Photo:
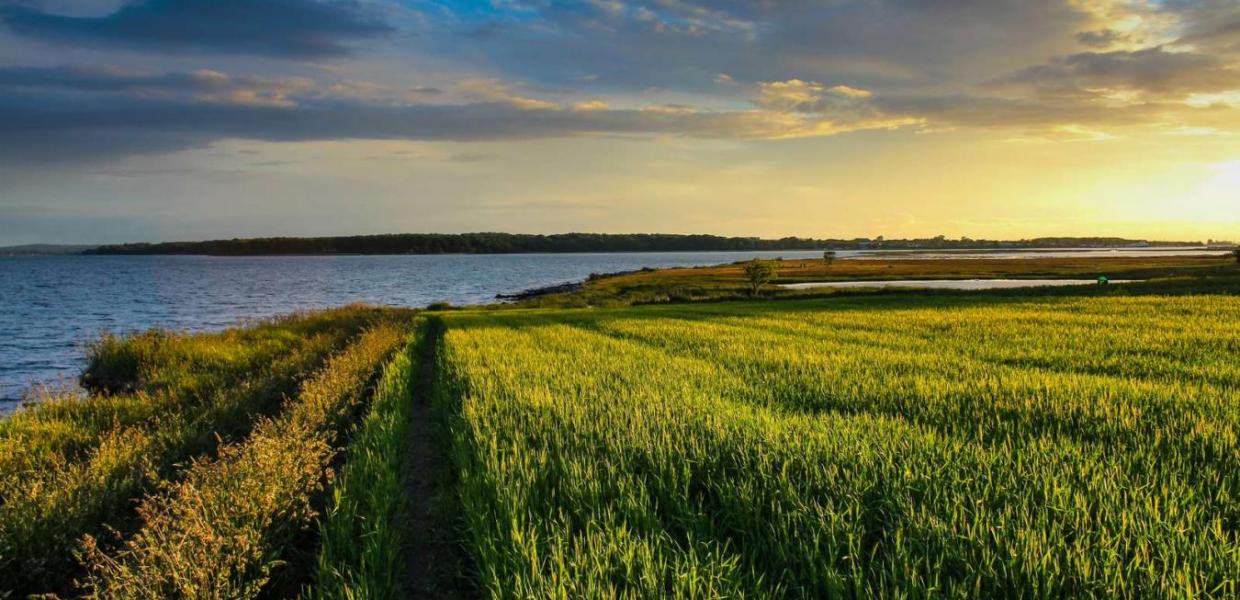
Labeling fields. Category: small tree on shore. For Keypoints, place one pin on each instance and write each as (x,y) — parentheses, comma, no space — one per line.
(759,273)
(828,257)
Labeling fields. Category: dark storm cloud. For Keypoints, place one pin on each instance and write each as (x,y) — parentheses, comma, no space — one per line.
(283,28)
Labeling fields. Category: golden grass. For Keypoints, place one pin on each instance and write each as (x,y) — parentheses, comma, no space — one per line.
(73,466)
(224,529)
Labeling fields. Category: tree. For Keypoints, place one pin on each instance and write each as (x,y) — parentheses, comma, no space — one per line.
(759,273)
(1236,253)
(828,257)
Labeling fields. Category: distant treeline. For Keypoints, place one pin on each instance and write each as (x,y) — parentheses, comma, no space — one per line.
(512,243)
(43,250)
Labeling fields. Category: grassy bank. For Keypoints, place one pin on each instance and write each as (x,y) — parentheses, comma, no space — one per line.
(137,379)
(226,530)
(71,467)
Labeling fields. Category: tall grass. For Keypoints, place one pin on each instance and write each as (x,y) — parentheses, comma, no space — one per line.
(224,531)
(895,447)
(139,377)
(75,467)
(362,534)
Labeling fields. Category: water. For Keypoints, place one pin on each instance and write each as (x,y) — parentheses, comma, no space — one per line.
(51,306)
(949,284)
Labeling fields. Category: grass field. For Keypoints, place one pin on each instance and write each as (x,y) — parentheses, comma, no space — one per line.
(878,447)
(1076,443)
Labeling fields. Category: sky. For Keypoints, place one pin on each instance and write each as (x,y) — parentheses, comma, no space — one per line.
(158,120)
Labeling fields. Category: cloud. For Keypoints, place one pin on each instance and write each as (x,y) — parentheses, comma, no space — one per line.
(461,122)
(723,69)
(203,85)
(1151,72)
(687,44)
(591,105)
(1211,26)
(472,157)
(1102,38)
(829,110)
(498,92)
(795,95)
(46,109)
(302,29)
(1223,37)
(68,113)
(1048,118)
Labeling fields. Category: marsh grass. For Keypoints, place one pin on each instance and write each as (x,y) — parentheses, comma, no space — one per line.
(225,530)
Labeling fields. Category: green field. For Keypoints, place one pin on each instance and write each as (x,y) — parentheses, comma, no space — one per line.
(879,447)
(1042,444)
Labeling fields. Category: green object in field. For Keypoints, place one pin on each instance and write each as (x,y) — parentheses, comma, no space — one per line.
(1103,280)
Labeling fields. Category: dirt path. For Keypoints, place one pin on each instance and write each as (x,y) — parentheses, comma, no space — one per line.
(433,559)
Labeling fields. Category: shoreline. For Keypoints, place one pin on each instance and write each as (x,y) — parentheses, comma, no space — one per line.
(1186,249)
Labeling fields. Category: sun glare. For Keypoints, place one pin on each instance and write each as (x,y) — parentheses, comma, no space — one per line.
(1218,198)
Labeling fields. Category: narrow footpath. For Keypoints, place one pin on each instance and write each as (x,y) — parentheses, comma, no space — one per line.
(433,564)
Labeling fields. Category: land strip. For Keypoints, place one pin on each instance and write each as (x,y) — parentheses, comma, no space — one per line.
(433,558)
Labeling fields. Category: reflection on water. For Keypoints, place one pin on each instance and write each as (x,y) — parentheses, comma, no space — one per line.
(949,284)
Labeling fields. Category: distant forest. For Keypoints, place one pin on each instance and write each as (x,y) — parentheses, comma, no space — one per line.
(512,243)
